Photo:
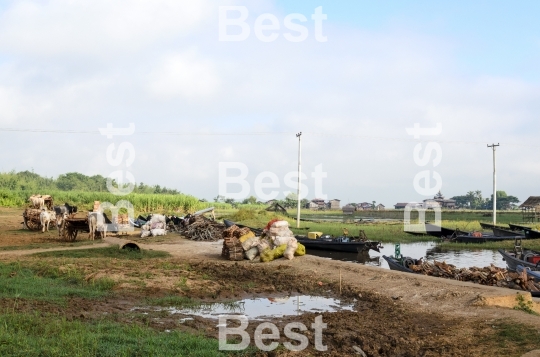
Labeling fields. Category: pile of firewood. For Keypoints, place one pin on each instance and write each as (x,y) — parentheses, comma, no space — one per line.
(203,229)
(491,275)
(232,247)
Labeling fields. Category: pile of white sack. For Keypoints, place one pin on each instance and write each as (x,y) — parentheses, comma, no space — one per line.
(155,227)
(276,241)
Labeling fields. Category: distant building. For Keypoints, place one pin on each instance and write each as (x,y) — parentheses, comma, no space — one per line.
(317,204)
(334,204)
(348,209)
(531,209)
(365,206)
(380,207)
(439,201)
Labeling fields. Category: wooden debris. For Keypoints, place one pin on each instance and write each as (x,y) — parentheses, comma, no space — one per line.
(491,275)
(203,229)
(232,247)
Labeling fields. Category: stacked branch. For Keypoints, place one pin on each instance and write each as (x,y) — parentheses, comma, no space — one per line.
(232,247)
(203,229)
(491,275)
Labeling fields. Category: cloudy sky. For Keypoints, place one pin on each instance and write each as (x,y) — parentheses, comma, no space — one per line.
(67,68)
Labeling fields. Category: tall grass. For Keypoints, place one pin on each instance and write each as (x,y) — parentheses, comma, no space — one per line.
(142,202)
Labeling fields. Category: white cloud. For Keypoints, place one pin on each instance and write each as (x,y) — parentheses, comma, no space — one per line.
(97,27)
(185,74)
(76,65)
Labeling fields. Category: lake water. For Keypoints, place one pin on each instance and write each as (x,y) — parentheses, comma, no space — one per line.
(462,258)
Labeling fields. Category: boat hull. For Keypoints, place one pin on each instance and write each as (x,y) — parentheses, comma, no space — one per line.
(351,247)
(484,239)
(394,265)
(500,232)
(512,261)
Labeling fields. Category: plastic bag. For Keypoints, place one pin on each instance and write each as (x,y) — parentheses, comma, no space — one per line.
(250,243)
(246,237)
(145,233)
(269,255)
(291,248)
(280,224)
(301,250)
(282,240)
(263,245)
(252,253)
(158,232)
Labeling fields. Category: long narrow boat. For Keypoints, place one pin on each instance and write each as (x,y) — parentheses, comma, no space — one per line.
(501,232)
(531,234)
(513,260)
(518,227)
(337,244)
(483,239)
(442,232)
(488,226)
(395,264)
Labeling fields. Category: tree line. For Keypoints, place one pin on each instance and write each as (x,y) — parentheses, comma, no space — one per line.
(71,181)
(474,200)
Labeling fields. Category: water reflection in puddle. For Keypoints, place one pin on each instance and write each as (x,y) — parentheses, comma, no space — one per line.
(262,307)
(462,258)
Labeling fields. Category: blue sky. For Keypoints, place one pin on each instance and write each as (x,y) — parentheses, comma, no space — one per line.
(488,37)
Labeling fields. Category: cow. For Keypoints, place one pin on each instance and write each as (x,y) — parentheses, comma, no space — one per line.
(60,220)
(96,223)
(37,201)
(45,217)
(66,208)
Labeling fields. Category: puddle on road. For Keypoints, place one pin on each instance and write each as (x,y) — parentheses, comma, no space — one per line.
(259,308)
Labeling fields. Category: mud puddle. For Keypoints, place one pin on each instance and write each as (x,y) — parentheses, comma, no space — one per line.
(259,308)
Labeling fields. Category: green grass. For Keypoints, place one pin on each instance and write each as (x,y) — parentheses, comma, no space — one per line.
(107,252)
(48,283)
(48,245)
(31,335)
(512,335)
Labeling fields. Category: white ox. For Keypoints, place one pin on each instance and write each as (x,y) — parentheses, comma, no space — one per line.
(96,223)
(37,201)
(45,217)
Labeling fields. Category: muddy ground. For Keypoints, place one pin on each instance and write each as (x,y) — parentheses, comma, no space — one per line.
(395,314)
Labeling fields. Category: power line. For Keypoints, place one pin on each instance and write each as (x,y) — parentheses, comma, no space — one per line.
(261,133)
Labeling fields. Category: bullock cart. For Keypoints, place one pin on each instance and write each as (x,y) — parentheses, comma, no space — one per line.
(72,225)
(32,221)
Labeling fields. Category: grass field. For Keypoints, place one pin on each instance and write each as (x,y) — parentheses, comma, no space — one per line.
(27,334)
(386,232)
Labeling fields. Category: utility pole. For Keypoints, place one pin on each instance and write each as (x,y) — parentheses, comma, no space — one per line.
(299,136)
(494,146)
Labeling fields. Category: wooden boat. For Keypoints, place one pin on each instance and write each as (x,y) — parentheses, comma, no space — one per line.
(487,226)
(517,227)
(531,234)
(483,239)
(501,232)
(513,260)
(441,232)
(400,264)
(339,244)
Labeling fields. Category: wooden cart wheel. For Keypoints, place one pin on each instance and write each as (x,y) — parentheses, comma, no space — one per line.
(31,225)
(71,233)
